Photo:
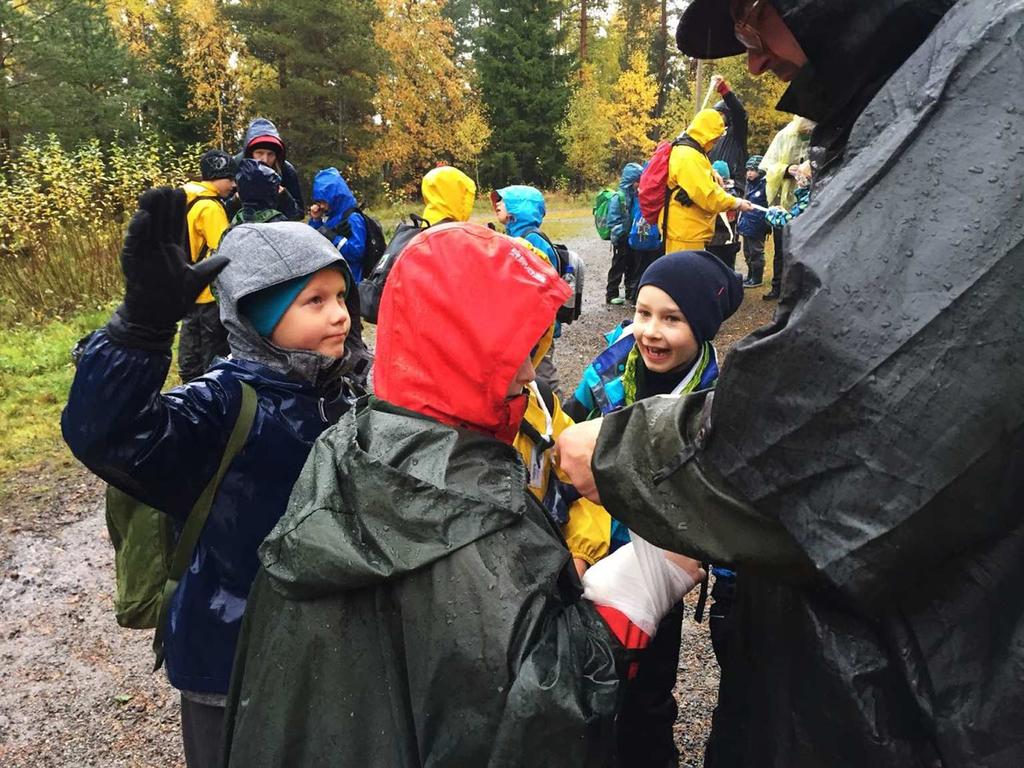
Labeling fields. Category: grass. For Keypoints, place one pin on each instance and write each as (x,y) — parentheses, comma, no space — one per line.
(35,374)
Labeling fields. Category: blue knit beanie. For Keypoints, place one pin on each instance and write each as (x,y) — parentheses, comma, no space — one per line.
(702,286)
(265,308)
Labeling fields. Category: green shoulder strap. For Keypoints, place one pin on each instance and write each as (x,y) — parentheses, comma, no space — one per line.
(200,511)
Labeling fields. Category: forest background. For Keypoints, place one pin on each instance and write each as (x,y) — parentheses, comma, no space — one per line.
(100,99)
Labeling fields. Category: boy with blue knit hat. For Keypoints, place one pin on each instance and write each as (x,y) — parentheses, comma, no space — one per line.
(281,291)
(667,349)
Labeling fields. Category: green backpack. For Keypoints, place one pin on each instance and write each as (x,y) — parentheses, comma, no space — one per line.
(601,202)
(148,562)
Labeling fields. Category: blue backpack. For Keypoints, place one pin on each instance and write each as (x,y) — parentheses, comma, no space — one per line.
(643,236)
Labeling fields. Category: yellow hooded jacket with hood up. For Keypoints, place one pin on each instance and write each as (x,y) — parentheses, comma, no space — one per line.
(448,195)
(589,528)
(690,227)
(207,221)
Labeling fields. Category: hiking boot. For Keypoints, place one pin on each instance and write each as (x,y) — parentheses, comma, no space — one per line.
(616,300)
(749,283)
(771,295)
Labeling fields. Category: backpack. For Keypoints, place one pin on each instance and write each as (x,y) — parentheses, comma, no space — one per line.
(149,560)
(371,289)
(601,202)
(572,269)
(653,191)
(643,236)
(375,244)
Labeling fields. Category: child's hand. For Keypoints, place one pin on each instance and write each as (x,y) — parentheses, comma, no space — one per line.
(160,285)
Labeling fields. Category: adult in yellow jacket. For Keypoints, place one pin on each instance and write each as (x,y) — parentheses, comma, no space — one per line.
(586,526)
(696,197)
(448,195)
(202,336)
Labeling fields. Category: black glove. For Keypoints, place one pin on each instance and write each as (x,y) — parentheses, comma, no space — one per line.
(160,284)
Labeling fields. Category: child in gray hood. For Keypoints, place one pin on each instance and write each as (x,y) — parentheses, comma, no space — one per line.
(281,294)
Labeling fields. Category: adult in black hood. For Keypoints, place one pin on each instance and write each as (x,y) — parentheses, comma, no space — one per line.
(732,148)
(862,460)
(263,142)
(851,50)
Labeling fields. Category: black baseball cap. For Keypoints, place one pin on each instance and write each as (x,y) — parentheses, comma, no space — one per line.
(705,30)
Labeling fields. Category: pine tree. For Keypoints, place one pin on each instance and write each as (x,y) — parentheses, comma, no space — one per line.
(326,62)
(523,82)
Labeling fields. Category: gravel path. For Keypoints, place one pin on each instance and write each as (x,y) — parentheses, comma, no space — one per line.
(76,690)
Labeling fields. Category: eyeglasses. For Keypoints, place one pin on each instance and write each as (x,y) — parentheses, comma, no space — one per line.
(744,14)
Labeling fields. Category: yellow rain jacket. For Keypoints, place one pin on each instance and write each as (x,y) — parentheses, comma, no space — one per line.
(589,528)
(690,227)
(789,147)
(449,194)
(207,222)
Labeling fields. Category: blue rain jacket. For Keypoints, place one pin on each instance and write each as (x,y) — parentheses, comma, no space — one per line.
(177,444)
(331,187)
(620,206)
(526,206)
(752,223)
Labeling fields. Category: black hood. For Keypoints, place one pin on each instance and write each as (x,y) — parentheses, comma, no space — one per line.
(852,48)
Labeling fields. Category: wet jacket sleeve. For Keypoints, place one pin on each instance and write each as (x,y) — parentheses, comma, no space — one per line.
(295,207)
(688,169)
(649,470)
(159,448)
(738,116)
(588,531)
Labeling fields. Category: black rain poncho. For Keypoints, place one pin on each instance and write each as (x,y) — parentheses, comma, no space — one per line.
(863,467)
(416,608)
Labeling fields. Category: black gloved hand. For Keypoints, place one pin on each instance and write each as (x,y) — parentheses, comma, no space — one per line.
(160,284)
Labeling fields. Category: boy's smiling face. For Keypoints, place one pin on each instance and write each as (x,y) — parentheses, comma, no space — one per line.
(662,334)
(317,320)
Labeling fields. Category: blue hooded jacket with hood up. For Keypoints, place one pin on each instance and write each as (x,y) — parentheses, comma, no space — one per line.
(526,208)
(620,205)
(163,448)
(262,127)
(330,187)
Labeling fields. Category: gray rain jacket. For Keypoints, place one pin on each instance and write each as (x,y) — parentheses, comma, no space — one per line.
(863,465)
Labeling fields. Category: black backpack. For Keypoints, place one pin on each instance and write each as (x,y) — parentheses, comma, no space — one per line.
(572,269)
(375,243)
(371,289)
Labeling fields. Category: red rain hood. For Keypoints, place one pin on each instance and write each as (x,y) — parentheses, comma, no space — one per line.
(462,309)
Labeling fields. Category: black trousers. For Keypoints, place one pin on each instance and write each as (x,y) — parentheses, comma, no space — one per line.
(648,713)
(623,267)
(202,730)
(753,252)
(201,339)
(644,259)
(779,261)
(726,253)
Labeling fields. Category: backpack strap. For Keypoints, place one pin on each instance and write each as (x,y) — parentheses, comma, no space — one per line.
(536,231)
(205,250)
(681,195)
(200,511)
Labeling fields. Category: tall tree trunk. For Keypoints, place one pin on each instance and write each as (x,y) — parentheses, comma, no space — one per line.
(583,31)
(663,83)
